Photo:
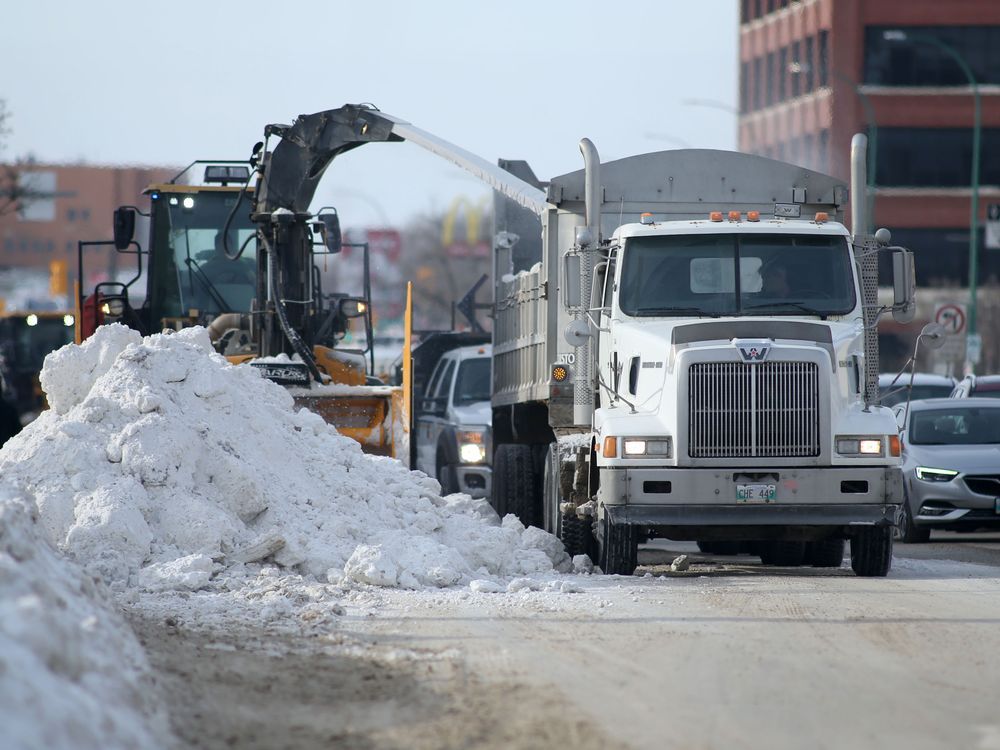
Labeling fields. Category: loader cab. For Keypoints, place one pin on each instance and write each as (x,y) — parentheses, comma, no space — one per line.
(191,279)
(190,267)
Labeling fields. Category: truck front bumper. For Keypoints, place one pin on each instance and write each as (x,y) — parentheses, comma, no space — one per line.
(805,497)
(475,480)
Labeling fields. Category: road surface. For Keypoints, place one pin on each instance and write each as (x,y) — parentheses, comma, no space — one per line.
(726,655)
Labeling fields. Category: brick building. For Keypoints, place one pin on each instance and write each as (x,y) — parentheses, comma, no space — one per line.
(814,72)
(70,203)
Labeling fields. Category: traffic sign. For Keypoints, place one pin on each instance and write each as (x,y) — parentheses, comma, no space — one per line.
(952,316)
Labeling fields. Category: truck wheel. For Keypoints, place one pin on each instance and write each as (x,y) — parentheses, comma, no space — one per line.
(619,548)
(827,553)
(785,554)
(871,551)
(514,484)
(908,532)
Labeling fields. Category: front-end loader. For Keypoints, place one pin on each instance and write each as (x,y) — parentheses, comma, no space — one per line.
(256,286)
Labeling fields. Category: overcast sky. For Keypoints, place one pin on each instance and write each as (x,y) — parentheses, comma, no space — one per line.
(169,82)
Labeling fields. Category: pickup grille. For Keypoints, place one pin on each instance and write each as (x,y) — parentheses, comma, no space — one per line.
(767,409)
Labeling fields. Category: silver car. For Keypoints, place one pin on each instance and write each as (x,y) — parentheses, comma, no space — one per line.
(951,465)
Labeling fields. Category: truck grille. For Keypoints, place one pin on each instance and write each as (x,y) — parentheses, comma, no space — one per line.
(770,409)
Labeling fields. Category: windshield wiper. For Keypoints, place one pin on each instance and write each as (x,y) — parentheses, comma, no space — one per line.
(680,310)
(788,303)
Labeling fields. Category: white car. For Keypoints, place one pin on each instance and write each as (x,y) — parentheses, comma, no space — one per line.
(925,385)
(453,432)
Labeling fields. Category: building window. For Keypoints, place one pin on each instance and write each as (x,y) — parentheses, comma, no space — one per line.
(796,69)
(824,58)
(744,83)
(941,256)
(85,214)
(809,66)
(745,11)
(823,158)
(782,74)
(935,157)
(70,214)
(756,83)
(916,62)
(770,79)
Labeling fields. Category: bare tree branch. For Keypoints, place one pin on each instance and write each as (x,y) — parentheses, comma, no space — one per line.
(11,190)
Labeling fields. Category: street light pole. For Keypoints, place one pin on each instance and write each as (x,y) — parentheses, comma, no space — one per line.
(902,36)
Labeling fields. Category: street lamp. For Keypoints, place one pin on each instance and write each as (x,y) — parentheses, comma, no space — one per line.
(898,35)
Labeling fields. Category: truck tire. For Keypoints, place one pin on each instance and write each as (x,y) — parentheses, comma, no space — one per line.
(514,483)
(826,553)
(783,553)
(908,532)
(618,548)
(871,551)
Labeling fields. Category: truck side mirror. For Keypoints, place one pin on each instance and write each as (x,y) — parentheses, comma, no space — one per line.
(572,270)
(124,227)
(329,228)
(904,286)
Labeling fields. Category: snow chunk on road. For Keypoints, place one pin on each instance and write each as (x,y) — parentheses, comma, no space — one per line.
(72,674)
(161,464)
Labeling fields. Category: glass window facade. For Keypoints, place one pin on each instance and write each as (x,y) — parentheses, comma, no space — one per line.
(914,61)
(935,157)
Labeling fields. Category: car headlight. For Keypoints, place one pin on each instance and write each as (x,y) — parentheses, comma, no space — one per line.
(658,447)
(860,445)
(471,446)
(927,474)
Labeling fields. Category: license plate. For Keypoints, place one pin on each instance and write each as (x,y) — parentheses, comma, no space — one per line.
(756,493)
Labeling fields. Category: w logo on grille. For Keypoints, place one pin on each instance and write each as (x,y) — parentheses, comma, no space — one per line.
(755,351)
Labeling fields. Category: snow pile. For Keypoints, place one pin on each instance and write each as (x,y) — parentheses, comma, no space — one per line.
(72,674)
(161,465)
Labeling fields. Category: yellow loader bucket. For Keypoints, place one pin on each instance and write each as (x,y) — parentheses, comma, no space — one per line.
(372,415)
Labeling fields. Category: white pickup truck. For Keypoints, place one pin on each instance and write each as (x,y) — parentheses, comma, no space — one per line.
(452,432)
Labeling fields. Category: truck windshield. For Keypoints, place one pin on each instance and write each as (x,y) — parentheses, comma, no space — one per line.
(473,381)
(779,274)
(189,268)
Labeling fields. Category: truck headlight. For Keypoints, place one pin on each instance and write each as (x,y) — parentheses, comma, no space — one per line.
(860,445)
(471,446)
(928,474)
(658,447)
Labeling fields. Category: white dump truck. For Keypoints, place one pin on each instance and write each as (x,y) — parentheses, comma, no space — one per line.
(684,346)
(689,351)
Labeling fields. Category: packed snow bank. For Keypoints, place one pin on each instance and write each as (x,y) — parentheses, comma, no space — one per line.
(161,465)
(72,674)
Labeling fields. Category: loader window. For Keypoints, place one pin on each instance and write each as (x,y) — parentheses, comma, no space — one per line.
(696,275)
(188,267)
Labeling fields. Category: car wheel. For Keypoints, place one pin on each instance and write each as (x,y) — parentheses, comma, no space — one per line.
(446,476)
(907,531)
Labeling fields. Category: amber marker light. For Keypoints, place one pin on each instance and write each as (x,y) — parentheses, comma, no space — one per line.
(822,217)
(559,373)
(894,445)
(610,447)
(715,216)
(734,215)
(753,215)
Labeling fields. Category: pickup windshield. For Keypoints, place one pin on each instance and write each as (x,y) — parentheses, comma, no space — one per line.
(779,274)
(473,381)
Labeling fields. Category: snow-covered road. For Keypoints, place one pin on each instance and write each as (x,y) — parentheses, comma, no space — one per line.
(724,656)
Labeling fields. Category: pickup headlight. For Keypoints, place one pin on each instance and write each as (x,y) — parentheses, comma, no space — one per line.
(928,474)
(658,447)
(860,445)
(471,446)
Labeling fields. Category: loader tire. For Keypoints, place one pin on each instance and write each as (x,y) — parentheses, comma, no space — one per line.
(827,553)
(871,551)
(619,548)
(514,483)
